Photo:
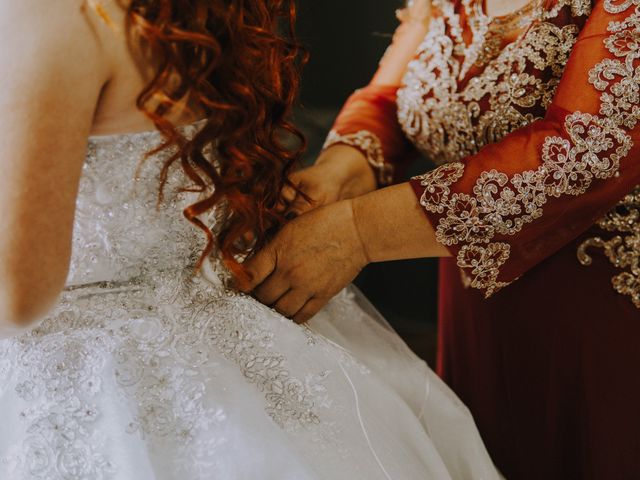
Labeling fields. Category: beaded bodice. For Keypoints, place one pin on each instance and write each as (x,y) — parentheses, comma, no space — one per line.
(120,231)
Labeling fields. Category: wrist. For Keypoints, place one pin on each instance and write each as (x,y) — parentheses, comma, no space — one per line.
(350,169)
(393,226)
(359,250)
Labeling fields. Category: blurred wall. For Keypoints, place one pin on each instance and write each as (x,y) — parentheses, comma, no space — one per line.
(346,40)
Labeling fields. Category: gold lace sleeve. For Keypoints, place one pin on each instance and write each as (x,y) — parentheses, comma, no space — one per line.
(371,146)
(520,200)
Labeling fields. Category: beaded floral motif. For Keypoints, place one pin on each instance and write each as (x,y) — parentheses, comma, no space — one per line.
(622,249)
(436,186)
(578,7)
(502,206)
(620,103)
(448,122)
(136,329)
(120,233)
(488,33)
(166,338)
(369,144)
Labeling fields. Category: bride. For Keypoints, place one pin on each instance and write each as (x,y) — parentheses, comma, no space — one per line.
(125,354)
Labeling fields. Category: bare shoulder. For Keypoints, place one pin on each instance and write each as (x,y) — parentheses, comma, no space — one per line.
(44,32)
(48,15)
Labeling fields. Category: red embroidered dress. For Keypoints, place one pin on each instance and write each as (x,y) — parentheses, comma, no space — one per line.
(533,119)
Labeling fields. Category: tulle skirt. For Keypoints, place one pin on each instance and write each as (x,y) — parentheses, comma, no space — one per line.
(180,378)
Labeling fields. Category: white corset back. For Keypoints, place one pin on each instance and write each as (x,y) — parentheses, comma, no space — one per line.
(120,232)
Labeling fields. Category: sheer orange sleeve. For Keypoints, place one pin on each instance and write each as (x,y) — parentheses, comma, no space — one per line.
(518,201)
(368,121)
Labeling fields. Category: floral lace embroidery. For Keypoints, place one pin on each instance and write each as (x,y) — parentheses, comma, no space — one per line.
(502,206)
(448,123)
(165,338)
(119,233)
(134,325)
(593,151)
(579,8)
(369,144)
(623,249)
(621,103)
(488,33)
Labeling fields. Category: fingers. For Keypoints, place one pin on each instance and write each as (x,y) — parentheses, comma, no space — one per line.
(287,197)
(291,303)
(309,310)
(299,196)
(271,290)
(259,267)
(302,205)
(294,203)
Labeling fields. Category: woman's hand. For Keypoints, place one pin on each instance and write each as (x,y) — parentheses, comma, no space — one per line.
(341,172)
(310,260)
(318,254)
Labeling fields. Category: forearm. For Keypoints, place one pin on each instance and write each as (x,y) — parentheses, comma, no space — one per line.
(34,263)
(393,226)
(23,305)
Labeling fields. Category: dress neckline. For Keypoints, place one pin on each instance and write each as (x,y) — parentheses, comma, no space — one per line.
(106,137)
(524,11)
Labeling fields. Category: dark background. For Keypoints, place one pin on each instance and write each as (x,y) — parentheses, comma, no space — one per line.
(346,39)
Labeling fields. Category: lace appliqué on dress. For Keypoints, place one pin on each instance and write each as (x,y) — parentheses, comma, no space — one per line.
(371,146)
(623,249)
(619,80)
(166,349)
(135,325)
(502,206)
(447,122)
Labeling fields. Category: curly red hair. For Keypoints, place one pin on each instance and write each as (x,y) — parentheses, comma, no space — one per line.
(237,60)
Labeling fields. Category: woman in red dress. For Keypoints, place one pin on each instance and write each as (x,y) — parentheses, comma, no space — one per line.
(534,120)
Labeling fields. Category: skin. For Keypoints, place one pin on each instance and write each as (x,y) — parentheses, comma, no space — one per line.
(349,224)
(66,74)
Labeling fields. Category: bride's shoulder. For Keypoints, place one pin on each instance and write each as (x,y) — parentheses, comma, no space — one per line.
(45,13)
(59,29)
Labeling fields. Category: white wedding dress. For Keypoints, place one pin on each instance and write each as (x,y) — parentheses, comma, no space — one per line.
(145,371)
